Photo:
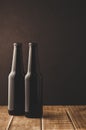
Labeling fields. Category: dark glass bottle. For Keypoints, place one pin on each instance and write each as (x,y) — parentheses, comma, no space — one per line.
(16,90)
(33,84)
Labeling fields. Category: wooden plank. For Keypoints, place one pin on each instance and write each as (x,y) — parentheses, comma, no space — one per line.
(23,123)
(55,118)
(18,123)
(4,117)
(78,116)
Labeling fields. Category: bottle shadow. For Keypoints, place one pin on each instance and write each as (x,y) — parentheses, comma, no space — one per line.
(54,116)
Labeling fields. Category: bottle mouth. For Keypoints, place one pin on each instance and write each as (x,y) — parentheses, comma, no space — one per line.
(17,44)
(32,44)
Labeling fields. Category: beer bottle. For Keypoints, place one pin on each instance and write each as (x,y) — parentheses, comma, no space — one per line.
(33,84)
(16,88)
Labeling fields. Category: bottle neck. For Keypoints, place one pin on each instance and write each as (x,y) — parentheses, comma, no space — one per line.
(33,64)
(17,61)
(29,59)
(14,59)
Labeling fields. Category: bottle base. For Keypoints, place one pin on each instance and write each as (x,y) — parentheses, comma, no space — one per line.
(30,115)
(15,113)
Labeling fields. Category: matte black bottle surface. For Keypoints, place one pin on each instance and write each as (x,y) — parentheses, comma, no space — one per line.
(33,85)
(16,83)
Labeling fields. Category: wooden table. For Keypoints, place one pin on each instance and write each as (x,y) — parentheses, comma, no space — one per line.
(54,118)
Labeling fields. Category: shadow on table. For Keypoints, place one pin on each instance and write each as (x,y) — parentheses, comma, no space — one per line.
(52,116)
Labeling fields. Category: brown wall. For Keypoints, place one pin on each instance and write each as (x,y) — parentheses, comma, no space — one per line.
(59,29)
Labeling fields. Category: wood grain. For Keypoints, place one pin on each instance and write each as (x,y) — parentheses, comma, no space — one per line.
(55,118)
(23,123)
(78,116)
(4,117)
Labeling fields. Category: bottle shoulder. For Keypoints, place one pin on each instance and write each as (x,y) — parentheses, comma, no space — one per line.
(32,75)
(28,75)
(12,73)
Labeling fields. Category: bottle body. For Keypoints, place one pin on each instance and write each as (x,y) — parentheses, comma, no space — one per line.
(16,83)
(33,87)
(33,96)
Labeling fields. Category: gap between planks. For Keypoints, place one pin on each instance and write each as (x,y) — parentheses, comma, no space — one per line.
(9,123)
(71,120)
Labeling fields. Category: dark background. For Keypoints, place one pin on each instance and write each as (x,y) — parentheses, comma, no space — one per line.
(59,29)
